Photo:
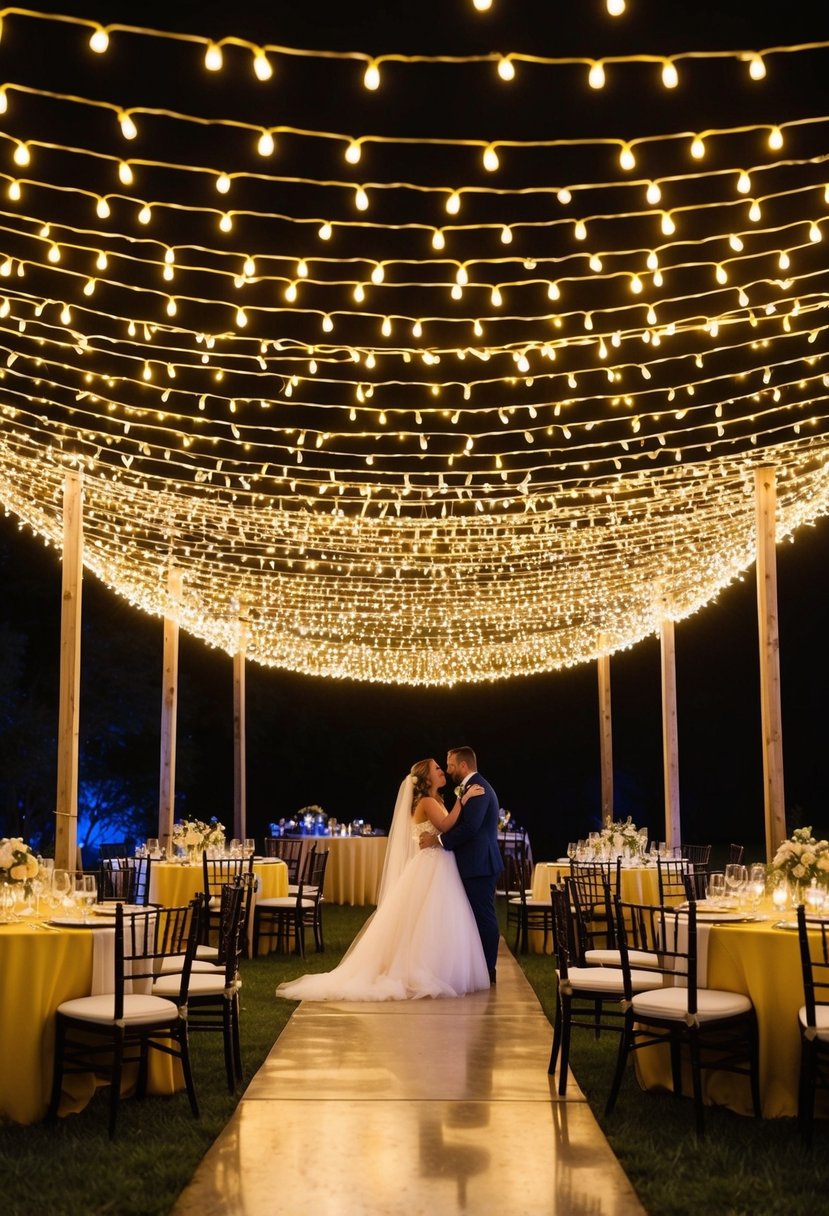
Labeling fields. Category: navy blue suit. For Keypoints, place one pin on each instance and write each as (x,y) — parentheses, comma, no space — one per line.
(474,841)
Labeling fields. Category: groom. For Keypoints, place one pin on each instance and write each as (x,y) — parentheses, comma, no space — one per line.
(474,841)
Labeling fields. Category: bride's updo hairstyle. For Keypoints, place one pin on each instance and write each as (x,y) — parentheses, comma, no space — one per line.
(421,778)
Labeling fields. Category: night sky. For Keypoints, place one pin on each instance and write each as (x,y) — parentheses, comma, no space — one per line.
(345,746)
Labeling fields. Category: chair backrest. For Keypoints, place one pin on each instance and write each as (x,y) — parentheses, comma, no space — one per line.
(232,922)
(667,933)
(516,876)
(218,871)
(288,850)
(310,886)
(144,939)
(591,912)
(736,852)
(563,940)
(672,873)
(699,854)
(814,962)
(125,878)
(117,848)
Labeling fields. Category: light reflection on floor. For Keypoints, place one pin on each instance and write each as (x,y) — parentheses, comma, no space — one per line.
(422,1108)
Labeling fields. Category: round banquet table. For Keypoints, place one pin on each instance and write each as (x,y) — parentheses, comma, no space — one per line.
(174,885)
(355,865)
(763,963)
(640,885)
(41,968)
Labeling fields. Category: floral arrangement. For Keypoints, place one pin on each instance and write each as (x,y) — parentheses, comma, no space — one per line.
(617,836)
(310,810)
(17,861)
(802,858)
(195,834)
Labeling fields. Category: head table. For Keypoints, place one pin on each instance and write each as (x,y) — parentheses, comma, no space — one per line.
(41,968)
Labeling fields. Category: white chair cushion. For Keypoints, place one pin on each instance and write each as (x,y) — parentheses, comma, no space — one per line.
(207,951)
(821,1020)
(613,958)
(173,963)
(138,1010)
(201,984)
(606,980)
(282,901)
(712,1003)
(293,889)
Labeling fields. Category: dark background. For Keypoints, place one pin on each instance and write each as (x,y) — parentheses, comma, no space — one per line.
(343,745)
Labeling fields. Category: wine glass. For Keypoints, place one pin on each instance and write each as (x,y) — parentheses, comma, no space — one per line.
(716,887)
(571,850)
(61,887)
(780,894)
(814,899)
(152,847)
(86,893)
(248,847)
(757,883)
(736,877)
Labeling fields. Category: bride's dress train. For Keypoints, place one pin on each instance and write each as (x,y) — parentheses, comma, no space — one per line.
(422,941)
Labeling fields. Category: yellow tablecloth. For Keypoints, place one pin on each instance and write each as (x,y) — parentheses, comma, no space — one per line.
(41,968)
(173,885)
(640,885)
(352,875)
(763,963)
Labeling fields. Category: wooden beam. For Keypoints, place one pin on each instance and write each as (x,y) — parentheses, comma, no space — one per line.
(765,486)
(605,736)
(66,808)
(239,765)
(169,709)
(670,733)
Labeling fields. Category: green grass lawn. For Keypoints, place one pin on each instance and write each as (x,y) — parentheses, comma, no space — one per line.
(743,1167)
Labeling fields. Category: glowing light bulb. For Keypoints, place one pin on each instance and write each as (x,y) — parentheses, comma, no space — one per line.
(697,148)
(54,254)
(743,182)
(482,6)
(495,298)
(626,158)
(371,78)
(101,261)
(359,293)
(596,76)
(223,183)
(102,209)
(324,232)
(225,222)
(265,145)
(327,324)
(125,174)
(145,214)
(564,196)
(775,139)
(506,68)
(213,58)
(756,67)
(172,307)
(14,191)
(615,7)
(735,243)
(670,76)
(784,261)
(453,203)
(99,42)
(360,199)
(378,274)
(385,328)
(721,274)
(653,194)
(815,233)
(438,239)
(490,158)
(553,291)
(667,224)
(128,128)
(506,235)
(89,287)
(241,319)
(302,269)
(461,276)
(4,101)
(754,212)
(353,152)
(580,230)
(636,284)
(22,155)
(262,66)
(66,315)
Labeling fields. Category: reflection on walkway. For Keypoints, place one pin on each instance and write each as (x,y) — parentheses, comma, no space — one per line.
(434,1107)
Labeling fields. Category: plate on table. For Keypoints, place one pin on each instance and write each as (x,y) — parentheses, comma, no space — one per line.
(722,916)
(107,908)
(73,922)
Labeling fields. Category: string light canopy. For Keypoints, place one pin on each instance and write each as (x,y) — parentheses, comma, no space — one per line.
(425,394)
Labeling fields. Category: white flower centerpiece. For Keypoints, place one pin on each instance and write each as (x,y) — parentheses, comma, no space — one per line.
(195,835)
(803,859)
(18,867)
(620,836)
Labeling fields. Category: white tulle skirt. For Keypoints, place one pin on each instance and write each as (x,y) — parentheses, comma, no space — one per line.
(422,941)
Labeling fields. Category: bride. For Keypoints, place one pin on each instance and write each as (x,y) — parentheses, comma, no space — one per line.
(422,940)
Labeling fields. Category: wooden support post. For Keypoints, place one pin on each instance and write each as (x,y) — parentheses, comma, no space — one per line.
(239,769)
(169,709)
(670,733)
(66,808)
(605,736)
(765,485)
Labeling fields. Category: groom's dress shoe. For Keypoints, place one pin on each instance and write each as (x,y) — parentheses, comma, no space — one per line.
(492,976)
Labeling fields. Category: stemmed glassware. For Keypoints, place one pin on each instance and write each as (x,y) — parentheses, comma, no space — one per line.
(736,877)
(61,887)
(716,887)
(86,893)
(757,883)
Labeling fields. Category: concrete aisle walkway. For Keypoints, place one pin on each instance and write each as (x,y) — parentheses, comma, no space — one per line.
(413,1108)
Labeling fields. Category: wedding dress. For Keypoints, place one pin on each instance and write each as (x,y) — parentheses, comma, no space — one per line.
(421,941)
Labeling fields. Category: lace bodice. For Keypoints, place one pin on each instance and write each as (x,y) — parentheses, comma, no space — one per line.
(420,829)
